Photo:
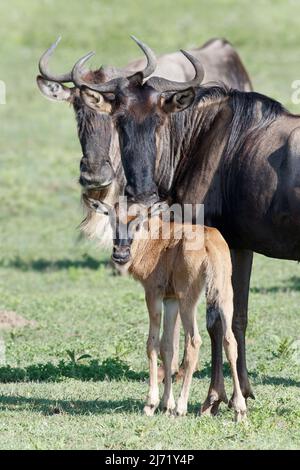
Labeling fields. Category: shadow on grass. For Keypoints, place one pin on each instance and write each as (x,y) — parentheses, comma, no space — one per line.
(109,369)
(255,378)
(258,379)
(72,407)
(42,264)
(291,284)
(112,368)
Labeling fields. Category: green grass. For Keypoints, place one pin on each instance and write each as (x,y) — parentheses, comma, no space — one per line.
(51,398)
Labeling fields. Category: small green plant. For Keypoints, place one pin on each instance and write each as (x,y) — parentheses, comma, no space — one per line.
(125,345)
(74,359)
(285,349)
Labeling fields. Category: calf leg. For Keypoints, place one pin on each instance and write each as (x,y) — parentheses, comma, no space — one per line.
(167,352)
(154,305)
(176,338)
(230,345)
(191,352)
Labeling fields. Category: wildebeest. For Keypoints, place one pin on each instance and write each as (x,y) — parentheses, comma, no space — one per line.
(236,152)
(173,271)
(101,169)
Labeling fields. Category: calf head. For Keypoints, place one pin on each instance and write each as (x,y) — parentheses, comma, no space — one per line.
(128,222)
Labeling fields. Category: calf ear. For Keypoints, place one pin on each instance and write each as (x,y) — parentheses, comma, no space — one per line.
(53,90)
(95,100)
(179,101)
(98,206)
(159,208)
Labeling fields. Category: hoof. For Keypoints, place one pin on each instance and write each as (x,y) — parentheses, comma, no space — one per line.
(240,416)
(149,410)
(246,389)
(180,413)
(181,409)
(211,410)
(211,405)
(246,394)
(170,412)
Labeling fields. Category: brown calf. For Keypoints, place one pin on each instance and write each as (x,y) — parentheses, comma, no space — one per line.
(173,262)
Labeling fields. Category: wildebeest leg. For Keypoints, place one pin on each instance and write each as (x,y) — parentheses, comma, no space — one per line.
(241,272)
(154,305)
(167,353)
(216,392)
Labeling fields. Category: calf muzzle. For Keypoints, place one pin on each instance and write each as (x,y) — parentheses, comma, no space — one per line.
(121,254)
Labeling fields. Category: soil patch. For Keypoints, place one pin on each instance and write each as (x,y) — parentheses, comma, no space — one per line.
(10,319)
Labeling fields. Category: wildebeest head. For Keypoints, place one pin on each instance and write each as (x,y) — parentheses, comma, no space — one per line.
(95,129)
(139,112)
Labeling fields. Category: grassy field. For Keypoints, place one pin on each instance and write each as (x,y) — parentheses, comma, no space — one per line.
(49,396)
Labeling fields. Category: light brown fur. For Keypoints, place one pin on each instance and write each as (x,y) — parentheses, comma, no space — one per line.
(173,273)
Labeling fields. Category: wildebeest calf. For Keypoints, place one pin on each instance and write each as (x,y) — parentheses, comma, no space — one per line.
(174,261)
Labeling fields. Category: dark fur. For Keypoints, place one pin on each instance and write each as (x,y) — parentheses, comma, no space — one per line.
(239,154)
(136,134)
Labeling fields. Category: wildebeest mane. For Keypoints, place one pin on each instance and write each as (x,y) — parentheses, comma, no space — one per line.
(251,113)
(246,117)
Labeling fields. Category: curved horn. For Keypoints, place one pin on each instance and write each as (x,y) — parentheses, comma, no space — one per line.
(77,72)
(110,86)
(151,59)
(44,62)
(163,85)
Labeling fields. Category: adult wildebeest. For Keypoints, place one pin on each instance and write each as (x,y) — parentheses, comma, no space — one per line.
(236,152)
(101,170)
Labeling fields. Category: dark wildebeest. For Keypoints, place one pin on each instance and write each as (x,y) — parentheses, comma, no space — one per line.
(236,152)
(101,170)
(101,173)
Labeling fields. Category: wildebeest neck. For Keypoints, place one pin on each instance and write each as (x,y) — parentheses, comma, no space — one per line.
(198,152)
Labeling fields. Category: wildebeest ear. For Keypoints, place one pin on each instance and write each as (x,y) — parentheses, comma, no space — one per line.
(178,101)
(53,90)
(95,100)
